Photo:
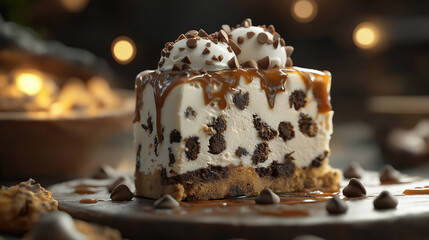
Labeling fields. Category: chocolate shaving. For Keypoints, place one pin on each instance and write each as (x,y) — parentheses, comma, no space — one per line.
(233,63)
(186,59)
(191,43)
(262,38)
(163,52)
(226,28)
(206,51)
(250,34)
(202,33)
(246,23)
(175,68)
(250,64)
(161,63)
(229,49)
(271,29)
(235,47)
(282,42)
(223,36)
(181,37)
(264,63)
(267,196)
(191,33)
(240,40)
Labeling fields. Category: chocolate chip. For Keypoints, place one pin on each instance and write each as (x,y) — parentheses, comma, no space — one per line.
(193,148)
(215,58)
(318,161)
(354,189)
(276,43)
(269,42)
(138,157)
(289,62)
(250,34)
(241,100)
(166,202)
(161,63)
(262,38)
(171,158)
(203,70)
(261,153)
(149,125)
(163,52)
(267,196)
(240,40)
(169,46)
(186,59)
(55,225)
(191,33)
(208,62)
(307,126)
(167,54)
(289,51)
(175,68)
(217,144)
(220,57)
(206,51)
(241,151)
(246,23)
(233,63)
(180,37)
(271,29)
(208,44)
(104,172)
(202,33)
(192,43)
(190,113)
(229,49)
(226,28)
(119,180)
(218,124)
(223,36)
(186,67)
(264,63)
(286,131)
(297,99)
(156,143)
(175,136)
(121,193)
(282,42)
(235,47)
(265,132)
(336,206)
(389,174)
(385,201)
(353,171)
(250,64)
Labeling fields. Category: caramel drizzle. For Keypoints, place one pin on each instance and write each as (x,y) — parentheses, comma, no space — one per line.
(217,84)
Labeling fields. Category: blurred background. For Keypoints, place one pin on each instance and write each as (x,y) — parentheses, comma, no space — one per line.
(377,52)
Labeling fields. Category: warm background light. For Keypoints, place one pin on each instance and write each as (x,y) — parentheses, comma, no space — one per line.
(123,50)
(304,10)
(29,83)
(74,5)
(366,35)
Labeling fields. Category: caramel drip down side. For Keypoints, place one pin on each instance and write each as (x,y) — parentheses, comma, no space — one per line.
(216,86)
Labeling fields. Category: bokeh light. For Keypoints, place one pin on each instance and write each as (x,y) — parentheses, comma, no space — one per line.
(123,50)
(74,5)
(366,35)
(29,83)
(304,11)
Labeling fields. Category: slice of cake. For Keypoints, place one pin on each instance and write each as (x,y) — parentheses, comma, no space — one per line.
(226,114)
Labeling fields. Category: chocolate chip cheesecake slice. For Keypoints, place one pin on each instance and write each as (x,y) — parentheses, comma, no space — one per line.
(226,114)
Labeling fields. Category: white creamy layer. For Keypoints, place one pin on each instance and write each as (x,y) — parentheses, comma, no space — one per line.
(240,130)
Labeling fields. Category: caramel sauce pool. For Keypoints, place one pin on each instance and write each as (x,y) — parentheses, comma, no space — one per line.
(272,82)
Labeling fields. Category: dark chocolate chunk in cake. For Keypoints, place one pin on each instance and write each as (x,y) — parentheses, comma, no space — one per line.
(193,148)
(265,132)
